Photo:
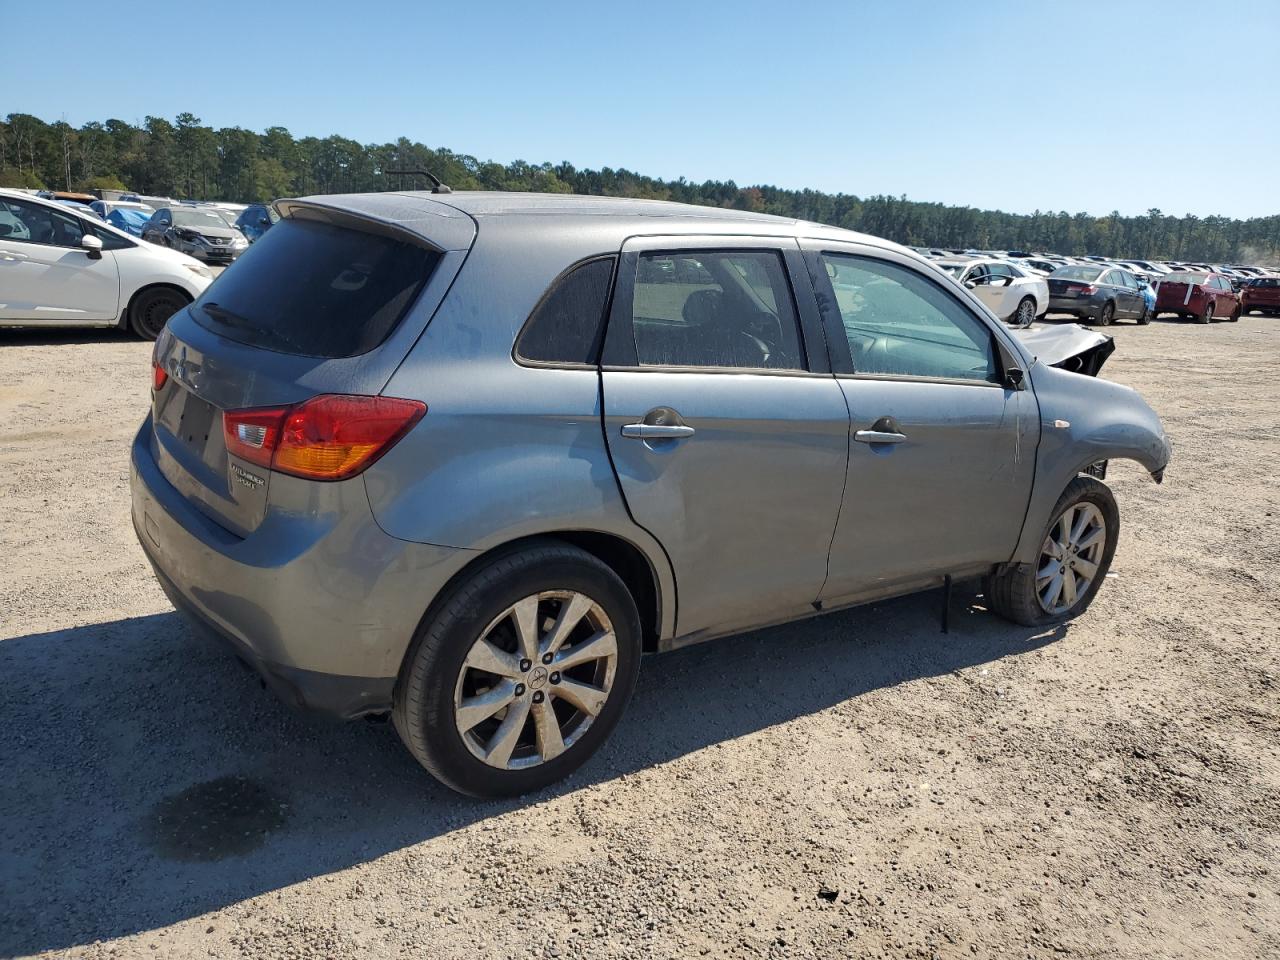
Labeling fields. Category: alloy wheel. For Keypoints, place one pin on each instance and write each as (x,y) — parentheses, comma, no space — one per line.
(1070,556)
(535,679)
(1026,313)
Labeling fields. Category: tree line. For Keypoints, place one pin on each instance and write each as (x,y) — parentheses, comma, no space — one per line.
(183,158)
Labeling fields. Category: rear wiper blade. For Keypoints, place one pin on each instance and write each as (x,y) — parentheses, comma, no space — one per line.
(233,319)
(222,313)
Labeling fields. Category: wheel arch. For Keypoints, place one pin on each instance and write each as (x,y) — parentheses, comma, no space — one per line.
(653,593)
(123,322)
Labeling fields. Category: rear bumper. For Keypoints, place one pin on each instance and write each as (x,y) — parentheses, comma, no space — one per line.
(1076,306)
(322,605)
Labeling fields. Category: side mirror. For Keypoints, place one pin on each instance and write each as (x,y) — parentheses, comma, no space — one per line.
(92,246)
(264,222)
(970,284)
(1013,377)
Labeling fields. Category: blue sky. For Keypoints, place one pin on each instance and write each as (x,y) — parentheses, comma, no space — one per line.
(1008,105)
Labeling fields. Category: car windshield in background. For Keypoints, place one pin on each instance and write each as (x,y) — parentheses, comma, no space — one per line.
(955,269)
(1077,273)
(313,289)
(197,218)
(1185,277)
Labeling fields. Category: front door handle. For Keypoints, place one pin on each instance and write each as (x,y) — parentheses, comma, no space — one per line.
(8,255)
(884,430)
(878,436)
(655,431)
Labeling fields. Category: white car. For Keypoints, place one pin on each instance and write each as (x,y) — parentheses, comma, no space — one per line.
(61,269)
(1013,294)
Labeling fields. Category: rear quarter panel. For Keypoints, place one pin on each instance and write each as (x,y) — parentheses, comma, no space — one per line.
(505,450)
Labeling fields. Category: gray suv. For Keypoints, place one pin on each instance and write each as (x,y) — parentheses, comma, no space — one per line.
(463,458)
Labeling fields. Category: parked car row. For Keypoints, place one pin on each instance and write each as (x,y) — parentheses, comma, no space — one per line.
(1098,290)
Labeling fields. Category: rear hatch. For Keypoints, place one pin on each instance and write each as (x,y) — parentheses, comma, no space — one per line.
(1068,289)
(329,301)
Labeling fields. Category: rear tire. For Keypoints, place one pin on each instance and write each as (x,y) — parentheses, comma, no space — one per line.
(1025,315)
(151,310)
(440,675)
(1014,593)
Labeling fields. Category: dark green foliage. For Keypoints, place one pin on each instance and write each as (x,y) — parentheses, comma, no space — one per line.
(186,159)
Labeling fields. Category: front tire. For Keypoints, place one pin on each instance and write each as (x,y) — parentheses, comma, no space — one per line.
(151,309)
(1235,314)
(1144,318)
(1075,555)
(520,672)
(1207,316)
(1108,312)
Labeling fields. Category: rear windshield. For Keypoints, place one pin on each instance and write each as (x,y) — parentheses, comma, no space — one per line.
(1076,273)
(1265,282)
(316,290)
(1185,277)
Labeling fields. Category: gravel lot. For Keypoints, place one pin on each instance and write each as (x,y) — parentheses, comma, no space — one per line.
(856,785)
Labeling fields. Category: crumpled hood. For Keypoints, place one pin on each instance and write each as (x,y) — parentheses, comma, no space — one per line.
(1069,346)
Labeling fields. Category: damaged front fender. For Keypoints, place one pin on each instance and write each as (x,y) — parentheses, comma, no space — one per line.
(1084,420)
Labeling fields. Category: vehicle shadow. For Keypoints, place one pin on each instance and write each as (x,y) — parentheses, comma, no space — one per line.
(149,779)
(63,336)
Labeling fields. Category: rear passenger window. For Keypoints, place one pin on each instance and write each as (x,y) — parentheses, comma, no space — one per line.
(715,309)
(566,326)
(900,324)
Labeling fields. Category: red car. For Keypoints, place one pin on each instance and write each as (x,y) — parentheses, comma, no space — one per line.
(1199,296)
(1262,294)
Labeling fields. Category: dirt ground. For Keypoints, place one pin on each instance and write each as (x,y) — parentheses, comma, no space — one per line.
(857,785)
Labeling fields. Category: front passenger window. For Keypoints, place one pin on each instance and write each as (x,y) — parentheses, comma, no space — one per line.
(899,323)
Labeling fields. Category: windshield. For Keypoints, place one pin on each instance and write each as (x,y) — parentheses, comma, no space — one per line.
(955,269)
(197,218)
(1077,273)
(1185,277)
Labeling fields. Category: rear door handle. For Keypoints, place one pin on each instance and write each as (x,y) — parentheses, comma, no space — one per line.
(878,436)
(654,431)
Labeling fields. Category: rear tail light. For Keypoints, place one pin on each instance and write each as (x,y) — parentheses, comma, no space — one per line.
(1086,289)
(330,437)
(158,375)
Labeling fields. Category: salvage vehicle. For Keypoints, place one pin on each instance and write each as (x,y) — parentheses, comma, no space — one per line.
(462,458)
(58,268)
(201,232)
(1011,292)
(1261,294)
(1098,294)
(1199,296)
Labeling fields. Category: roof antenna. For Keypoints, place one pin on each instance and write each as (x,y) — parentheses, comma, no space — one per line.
(438,185)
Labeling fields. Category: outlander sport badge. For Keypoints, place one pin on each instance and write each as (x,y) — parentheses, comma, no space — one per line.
(250,480)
